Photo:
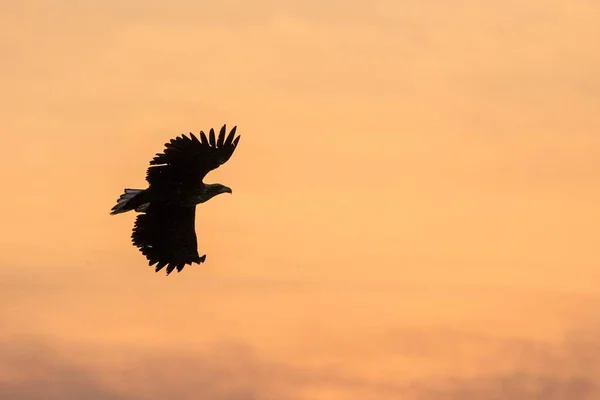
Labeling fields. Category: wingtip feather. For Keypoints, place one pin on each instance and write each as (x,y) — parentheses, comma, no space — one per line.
(221,136)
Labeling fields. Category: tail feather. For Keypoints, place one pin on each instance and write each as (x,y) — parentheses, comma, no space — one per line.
(124,202)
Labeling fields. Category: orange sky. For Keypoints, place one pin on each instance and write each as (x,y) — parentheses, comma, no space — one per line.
(414,211)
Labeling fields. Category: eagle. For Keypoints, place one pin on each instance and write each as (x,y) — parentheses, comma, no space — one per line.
(164,230)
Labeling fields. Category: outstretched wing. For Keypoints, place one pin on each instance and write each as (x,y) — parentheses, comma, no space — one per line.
(166,235)
(187,160)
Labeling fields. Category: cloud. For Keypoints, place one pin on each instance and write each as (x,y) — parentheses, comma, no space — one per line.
(512,368)
(30,369)
(504,368)
(516,386)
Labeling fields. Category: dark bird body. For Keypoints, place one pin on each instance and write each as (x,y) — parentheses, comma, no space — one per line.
(164,230)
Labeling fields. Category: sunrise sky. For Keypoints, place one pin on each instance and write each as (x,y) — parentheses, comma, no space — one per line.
(415,203)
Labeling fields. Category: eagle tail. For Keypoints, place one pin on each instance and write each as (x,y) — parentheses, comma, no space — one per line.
(129,201)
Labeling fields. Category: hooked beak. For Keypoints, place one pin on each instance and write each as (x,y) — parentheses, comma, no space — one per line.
(227,190)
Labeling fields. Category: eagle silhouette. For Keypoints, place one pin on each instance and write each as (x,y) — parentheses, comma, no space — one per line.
(164,231)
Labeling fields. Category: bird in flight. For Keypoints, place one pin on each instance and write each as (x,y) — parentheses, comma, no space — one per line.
(164,231)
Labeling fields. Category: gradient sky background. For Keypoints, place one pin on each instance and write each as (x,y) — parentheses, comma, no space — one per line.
(414,214)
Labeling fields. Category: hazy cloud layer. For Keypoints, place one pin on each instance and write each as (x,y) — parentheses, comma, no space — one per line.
(502,368)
